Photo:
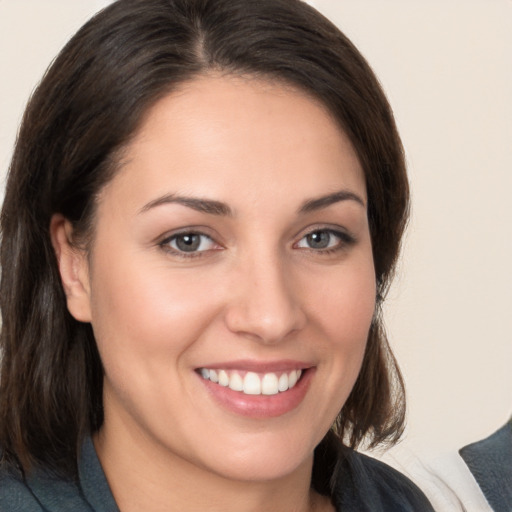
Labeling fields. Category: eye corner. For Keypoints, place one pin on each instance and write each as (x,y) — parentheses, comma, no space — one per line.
(189,243)
(322,240)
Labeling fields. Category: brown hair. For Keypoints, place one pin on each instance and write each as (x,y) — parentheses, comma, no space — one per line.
(84,111)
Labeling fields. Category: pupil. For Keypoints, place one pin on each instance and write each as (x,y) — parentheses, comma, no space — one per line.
(319,239)
(188,243)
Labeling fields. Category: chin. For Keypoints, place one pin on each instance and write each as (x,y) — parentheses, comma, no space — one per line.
(271,460)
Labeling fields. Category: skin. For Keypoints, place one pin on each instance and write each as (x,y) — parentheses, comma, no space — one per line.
(255,291)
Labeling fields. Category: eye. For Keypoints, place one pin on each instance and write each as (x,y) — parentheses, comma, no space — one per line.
(189,243)
(324,239)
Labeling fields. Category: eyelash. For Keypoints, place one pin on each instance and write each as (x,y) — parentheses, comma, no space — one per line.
(345,240)
(166,244)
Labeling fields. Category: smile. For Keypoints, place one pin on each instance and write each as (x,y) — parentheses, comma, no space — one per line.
(251,383)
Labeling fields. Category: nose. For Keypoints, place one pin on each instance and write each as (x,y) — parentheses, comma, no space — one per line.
(265,303)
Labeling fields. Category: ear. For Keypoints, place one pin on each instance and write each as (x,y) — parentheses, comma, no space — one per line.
(73,267)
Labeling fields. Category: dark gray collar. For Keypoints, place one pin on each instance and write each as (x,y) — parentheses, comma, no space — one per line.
(93,481)
(90,494)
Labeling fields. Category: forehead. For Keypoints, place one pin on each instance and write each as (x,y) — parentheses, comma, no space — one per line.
(216,134)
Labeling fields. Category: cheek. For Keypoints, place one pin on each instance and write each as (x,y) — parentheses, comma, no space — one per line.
(345,303)
(343,310)
(141,312)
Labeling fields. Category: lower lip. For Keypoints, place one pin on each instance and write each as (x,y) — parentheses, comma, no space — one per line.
(261,406)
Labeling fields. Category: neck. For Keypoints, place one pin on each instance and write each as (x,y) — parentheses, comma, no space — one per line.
(144,477)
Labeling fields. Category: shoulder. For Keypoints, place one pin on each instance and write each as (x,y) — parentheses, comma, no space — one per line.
(15,495)
(494,452)
(366,484)
(40,491)
(490,462)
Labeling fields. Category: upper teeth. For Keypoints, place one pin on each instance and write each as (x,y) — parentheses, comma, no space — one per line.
(253,383)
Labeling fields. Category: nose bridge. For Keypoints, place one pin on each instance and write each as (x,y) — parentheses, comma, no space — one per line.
(265,305)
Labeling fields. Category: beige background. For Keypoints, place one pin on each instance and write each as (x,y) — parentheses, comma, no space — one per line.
(447,69)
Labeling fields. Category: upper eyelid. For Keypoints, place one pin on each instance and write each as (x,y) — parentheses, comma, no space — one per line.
(217,239)
(165,245)
(345,240)
(168,239)
(336,229)
(195,230)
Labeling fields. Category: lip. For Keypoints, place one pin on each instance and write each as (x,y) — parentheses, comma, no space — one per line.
(260,406)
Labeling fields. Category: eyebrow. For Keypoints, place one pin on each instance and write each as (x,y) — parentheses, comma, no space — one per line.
(324,201)
(213,207)
(199,204)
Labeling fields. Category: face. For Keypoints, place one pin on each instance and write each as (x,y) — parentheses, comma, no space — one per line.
(230,283)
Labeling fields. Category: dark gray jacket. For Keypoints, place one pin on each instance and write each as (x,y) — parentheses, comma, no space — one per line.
(359,484)
(490,461)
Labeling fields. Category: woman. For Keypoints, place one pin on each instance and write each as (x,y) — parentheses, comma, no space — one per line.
(202,216)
